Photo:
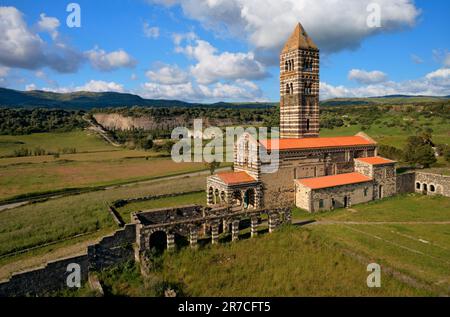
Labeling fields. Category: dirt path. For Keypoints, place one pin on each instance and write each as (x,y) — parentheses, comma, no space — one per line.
(150,181)
(23,264)
(331,222)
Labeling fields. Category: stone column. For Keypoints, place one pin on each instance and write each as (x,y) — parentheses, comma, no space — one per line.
(288,216)
(215,233)
(193,238)
(273,222)
(254,226)
(226,229)
(235,230)
(170,242)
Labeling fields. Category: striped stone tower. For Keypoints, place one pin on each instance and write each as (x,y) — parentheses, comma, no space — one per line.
(299,86)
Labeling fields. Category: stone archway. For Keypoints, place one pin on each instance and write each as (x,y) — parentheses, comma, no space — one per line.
(237,198)
(249,198)
(216,197)
(158,241)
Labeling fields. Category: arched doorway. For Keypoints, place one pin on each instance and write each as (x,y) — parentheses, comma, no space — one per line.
(158,242)
(216,197)
(380,192)
(249,198)
(345,202)
(237,198)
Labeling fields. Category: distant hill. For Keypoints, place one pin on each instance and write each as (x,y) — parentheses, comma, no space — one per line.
(391,99)
(88,100)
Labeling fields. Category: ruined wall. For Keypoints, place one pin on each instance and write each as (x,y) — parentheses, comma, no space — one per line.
(42,281)
(405,183)
(432,184)
(112,250)
(385,181)
(52,277)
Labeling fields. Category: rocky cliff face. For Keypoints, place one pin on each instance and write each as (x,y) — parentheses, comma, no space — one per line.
(116,121)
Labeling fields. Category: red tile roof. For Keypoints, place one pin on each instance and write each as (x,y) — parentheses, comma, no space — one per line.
(376,160)
(311,143)
(232,178)
(334,180)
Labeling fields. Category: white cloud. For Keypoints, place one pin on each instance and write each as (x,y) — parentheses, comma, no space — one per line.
(266,24)
(30,87)
(365,77)
(104,61)
(49,25)
(100,86)
(22,48)
(179,37)
(4,71)
(416,59)
(150,31)
(91,86)
(239,90)
(213,66)
(440,74)
(168,75)
(436,83)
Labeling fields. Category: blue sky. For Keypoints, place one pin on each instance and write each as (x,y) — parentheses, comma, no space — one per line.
(207,51)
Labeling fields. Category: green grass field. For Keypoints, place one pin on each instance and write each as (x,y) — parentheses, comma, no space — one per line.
(290,262)
(186,199)
(397,135)
(53,220)
(96,163)
(81,140)
(410,233)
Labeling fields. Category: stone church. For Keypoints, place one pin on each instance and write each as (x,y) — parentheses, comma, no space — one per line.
(314,173)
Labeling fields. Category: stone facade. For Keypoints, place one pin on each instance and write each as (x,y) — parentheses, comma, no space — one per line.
(384,177)
(192,220)
(429,183)
(299,87)
(314,200)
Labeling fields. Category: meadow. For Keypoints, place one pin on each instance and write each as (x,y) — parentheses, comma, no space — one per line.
(401,127)
(292,261)
(96,163)
(54,220)
(410,233)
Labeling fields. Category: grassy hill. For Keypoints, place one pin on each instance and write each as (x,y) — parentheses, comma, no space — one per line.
(392,99)
(88,100)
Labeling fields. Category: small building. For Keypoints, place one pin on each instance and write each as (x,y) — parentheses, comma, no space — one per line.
(335,191)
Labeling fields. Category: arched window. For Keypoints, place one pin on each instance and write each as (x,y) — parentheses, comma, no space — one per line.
(286,67)
(307,125)
(432,188)
(417,185)
(287,89)
(291,89)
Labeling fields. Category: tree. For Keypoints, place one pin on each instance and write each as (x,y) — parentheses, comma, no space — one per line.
(418,151)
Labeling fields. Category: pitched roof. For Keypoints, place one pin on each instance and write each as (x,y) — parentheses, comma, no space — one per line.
(334,180)
(299,39)
(232,178)
(312,143)
(376,160)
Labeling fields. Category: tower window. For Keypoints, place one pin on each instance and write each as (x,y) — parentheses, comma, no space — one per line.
(291,89)
(307,125)
(286,67)
(288,90)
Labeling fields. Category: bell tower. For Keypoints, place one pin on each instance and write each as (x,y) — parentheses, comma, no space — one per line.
(299,86)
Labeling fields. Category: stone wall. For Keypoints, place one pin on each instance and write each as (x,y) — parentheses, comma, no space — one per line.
(333,197)
(405,183)
(112,250)
(52,277)
(42,281)
(432,184)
